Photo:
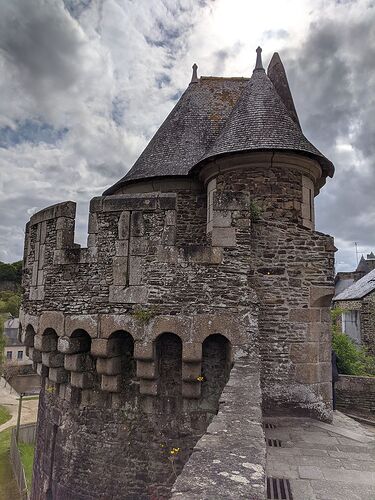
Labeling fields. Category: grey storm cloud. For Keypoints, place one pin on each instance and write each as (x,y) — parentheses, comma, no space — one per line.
(332,76)
(85,84)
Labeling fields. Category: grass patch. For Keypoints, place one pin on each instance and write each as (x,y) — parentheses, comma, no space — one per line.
(27,458)
(4,415)
(8,485)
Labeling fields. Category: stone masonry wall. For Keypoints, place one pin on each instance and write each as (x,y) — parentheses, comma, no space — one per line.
(152,291)
(132,279)
(291,268)
(356,395)
(229,460)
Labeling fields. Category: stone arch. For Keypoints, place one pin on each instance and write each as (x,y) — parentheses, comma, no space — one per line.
(168,350)
(125,348)
(216,366)
(29,335)
(83,339)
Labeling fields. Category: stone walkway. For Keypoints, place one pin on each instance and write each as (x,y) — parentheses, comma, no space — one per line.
(323,461)
(9,399)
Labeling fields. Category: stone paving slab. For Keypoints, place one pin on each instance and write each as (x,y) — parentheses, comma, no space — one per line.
(324,461)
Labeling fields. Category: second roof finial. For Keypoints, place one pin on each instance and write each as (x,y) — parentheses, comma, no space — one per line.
(258,64)
(194,78)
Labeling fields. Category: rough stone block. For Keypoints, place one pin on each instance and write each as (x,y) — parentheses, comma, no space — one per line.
(40,280)
(325,372)
(104,348)
(58,375)
(138,246)
(305,352)
(307,373)
(92,240)
(53,320)
(321,296)
(148,387)
(110,366)
(122,248)
(191,390)
(191,372)
(128,295)
(135,270)
(169,236)
(146,370)
(86,322)
(204,255)
(222,219)
(34,355)
(192,352)
(93,224)
(170,217)
(64,238)
(325,351)
(111,383)
(137,224)
(224,237)
(34,275)
(42,370)
(42,256)
(144,351)
(304,315)
(167,254)
(78,362)
(231,200)
(120,270)
(82,380)
(76,345)
(53,359)
(45,343)
(123,226)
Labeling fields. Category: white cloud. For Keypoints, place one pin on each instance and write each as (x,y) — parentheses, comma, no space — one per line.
(104,74)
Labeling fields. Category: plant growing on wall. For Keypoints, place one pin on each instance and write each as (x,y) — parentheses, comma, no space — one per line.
(255,212)
(143,315)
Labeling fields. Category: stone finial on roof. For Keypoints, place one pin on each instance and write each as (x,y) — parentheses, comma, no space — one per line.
(194,78)
(259,64)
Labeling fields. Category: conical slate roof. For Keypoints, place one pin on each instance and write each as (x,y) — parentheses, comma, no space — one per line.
(217,116)
(188,131)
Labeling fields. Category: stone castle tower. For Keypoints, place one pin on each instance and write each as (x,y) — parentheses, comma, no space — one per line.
(203,257)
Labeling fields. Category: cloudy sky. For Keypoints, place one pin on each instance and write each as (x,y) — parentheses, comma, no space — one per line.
(85,83)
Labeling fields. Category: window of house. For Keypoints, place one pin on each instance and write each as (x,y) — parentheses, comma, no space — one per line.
(20,355)
(351,325)
(9,354)
(211,189)
(308,202)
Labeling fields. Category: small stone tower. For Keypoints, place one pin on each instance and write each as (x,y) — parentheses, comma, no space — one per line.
(202,257)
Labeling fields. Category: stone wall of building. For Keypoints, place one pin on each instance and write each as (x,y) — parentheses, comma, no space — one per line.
(134,336)
(229,460)
(356,395)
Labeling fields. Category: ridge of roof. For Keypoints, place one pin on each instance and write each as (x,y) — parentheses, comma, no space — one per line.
(261,121)
(358,289)
(223,115)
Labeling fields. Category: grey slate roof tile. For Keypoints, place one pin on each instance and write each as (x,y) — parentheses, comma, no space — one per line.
(359,289)
(217,116)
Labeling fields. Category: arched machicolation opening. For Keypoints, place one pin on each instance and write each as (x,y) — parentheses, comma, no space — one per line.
(169,368)
(29,336)
(216,366)
(124,349)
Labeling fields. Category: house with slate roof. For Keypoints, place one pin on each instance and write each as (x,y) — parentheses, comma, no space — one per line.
(345,279)
(203,273)
(358,316)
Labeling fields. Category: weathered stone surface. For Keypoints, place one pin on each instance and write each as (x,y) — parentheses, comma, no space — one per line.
(45,343)
(74,345)
(82,380)
(53,359)
(103,348)
(224,237)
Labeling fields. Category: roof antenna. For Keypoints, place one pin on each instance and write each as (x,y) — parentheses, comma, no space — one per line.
(258,64)
(194,78)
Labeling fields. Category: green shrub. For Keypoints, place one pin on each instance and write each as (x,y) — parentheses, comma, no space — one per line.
(352,359)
